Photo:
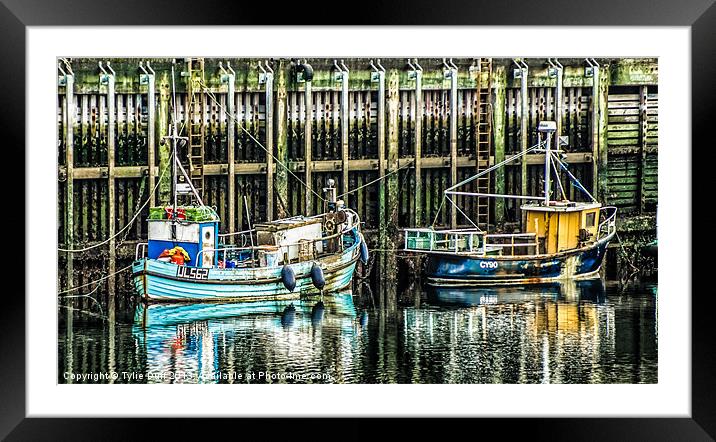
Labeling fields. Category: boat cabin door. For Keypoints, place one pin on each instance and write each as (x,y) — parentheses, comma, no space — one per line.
(208,244)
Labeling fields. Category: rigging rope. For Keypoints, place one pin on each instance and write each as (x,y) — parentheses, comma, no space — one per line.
(136,215)
(241,126)
(437,214)
(559,181)
(217,103)
(474,177)
(576,181)
(410,163)
(490,169)
(463,213)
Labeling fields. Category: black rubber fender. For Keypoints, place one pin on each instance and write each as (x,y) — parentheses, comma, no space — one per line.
(319,281)
(307,71)
(363,250)
(288,276)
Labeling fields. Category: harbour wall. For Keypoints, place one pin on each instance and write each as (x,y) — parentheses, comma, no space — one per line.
(428,123)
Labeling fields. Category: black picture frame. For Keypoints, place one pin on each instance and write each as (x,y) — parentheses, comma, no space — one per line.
(16,15)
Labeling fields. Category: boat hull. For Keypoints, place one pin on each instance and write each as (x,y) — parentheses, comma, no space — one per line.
(466,270)
(161,281)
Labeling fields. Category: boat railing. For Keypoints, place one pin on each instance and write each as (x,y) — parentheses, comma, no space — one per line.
(141,250)
(253,249)
(523,242)
(352,220)
(469,241)
(242,234)
(608,226)
(454,240)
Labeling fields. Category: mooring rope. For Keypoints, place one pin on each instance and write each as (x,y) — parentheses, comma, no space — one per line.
(625,255)
(410,163)
(88,295)
(100,316)
(96,281)
(241,126)
(129,224)
(303,183)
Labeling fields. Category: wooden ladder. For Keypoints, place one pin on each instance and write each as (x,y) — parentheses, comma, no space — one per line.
(484,138)
(196,108)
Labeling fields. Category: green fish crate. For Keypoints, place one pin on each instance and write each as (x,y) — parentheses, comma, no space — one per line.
(157,213)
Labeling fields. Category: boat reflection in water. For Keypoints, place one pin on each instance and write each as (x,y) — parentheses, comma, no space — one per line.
(559,333)
(556,333)
(568,291)
(218,342)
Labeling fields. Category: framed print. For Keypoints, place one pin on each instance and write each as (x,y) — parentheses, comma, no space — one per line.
(461,217)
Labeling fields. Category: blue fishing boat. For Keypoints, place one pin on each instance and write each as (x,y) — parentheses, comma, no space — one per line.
(561,239)
(273,270)
(186,259)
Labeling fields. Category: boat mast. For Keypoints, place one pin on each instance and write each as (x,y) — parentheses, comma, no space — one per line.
(547,171)
(547,127)
(174,148)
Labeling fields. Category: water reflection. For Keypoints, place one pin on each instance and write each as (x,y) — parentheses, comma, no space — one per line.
(580,332)
(572,291)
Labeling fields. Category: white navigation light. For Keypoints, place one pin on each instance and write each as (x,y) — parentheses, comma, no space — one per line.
(547,126)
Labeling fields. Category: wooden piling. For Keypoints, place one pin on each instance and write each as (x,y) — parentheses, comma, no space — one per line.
(151,136)
(418,140)
(111,193)
(345,106)
(596,98)
(232,122)
(307,136)
(281,181)
(393,147)
(165,183)
(381,157)
(643,105)
(69,123)
(498,124)
(524,135)
(390,269)
(601,186)
(269,146)
(453,141)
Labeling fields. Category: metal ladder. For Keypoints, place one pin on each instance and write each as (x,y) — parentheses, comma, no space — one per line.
(483,135)
(196,105)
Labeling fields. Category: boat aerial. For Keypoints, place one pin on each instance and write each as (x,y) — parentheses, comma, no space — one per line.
(561,239)
(186,259)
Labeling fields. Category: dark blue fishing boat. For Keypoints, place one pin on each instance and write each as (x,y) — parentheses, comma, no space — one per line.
(562,240)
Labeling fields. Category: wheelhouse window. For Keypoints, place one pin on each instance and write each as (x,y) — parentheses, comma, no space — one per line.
(589,220)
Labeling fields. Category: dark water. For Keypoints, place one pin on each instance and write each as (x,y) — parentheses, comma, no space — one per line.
(574,333)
